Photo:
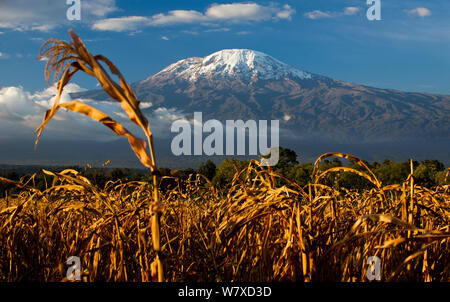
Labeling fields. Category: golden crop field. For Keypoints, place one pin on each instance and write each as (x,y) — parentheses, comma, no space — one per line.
(256,229)
(253,231)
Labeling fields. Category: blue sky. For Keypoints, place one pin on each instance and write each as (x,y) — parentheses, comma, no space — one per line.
(407,50)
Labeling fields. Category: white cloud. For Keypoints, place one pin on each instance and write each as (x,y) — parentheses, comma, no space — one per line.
(190,32)
(41,15)
(14,102)
(286,13)
(419,12)
(240,11)
(3,55)
(215,14)
(165,38)
(216,30)
(133,33)
(23,111)
(317,14)
(351,10)
(176,17)
(44,27)
(46,97)
(121,24)
(99,8)
(165,114)
(121,115)
(145,105)
(247,12)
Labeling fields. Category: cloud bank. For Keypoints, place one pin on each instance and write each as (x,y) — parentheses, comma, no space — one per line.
(23,111)
(215,14)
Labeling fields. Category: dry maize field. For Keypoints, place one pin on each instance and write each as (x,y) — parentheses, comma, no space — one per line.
(252,231)
(256,229)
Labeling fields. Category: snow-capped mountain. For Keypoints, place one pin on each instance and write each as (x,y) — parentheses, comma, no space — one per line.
(241,64)
(246,84)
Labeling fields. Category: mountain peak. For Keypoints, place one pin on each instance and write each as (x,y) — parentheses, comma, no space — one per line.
(234,59)
(227,85)
(245,64)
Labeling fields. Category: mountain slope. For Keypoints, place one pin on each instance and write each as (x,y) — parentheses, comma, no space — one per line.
(245,84)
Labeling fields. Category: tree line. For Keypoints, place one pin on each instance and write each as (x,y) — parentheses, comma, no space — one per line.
(427,173)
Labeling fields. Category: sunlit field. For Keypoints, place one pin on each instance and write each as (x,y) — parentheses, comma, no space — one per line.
(254,230)
(260,226)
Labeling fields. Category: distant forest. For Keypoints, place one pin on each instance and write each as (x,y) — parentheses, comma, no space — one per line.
(427,173)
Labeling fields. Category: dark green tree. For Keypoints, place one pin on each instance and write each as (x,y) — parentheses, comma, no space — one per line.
(226,170)
(288,158)
(425,174)
(207,169)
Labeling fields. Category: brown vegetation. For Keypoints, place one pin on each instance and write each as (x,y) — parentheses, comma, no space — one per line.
(251,231)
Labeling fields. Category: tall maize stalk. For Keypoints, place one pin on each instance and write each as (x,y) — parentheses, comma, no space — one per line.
(66,59)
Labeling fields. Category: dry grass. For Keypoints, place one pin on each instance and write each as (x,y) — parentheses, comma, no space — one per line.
(252,231)
(255,230)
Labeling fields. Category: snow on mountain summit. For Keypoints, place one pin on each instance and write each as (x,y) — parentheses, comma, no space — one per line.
(242,63)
